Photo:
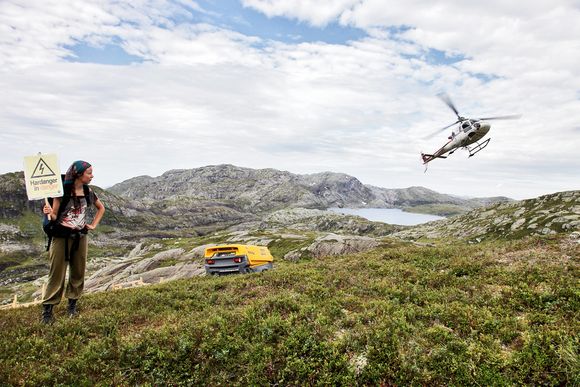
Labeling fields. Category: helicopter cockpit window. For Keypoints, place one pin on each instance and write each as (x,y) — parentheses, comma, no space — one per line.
(465,125)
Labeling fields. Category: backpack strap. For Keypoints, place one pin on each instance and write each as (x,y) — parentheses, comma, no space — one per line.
(87,193)
(67,188)
(67,195)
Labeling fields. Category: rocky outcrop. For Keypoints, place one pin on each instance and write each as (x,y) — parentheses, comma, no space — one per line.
(9,232)
(333,244)
(548,214)
(167,265)
(325,221)
(13,199)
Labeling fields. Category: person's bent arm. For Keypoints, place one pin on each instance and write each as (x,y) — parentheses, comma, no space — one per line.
(98,216)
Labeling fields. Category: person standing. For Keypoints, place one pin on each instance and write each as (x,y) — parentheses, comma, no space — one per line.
(69,245)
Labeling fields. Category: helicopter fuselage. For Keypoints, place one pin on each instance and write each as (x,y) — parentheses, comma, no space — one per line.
(468,132)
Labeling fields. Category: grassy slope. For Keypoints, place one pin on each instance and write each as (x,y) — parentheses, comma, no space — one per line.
(438,209)
(498,313)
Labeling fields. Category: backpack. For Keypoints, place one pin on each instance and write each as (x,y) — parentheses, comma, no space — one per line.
(51,228)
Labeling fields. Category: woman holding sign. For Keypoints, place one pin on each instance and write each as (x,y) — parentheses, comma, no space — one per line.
(69,238)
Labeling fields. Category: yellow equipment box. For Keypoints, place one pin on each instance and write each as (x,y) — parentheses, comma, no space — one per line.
(228,259)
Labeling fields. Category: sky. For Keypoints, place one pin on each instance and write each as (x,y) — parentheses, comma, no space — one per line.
(306,86)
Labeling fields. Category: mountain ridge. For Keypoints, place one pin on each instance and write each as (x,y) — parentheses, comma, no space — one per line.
(262,190)
(238,190)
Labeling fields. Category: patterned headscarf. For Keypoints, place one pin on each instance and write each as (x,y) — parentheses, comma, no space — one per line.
(75,170)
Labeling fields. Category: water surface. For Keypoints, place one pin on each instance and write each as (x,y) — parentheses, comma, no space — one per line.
(388,215)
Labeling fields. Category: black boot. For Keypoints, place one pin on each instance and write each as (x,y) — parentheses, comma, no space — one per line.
(72,308)
(47,317)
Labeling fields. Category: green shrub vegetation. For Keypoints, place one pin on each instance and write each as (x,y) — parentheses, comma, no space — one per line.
(499,313)
(438,209)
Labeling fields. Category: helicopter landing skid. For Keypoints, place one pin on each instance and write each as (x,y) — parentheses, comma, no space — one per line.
(478,148)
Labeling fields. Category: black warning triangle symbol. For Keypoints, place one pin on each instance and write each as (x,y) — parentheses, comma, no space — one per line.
(42,170)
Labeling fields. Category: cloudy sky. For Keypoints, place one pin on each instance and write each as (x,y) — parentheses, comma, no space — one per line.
(144,86)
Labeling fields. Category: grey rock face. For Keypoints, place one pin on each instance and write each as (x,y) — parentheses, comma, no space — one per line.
(262,190)
(546,215)
(149,270)
(324,221)
(333,244)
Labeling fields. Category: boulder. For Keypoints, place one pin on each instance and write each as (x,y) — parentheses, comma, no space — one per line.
(333,244)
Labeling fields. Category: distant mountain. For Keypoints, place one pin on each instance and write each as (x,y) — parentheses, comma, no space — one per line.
(262,190)
(223,195)
(247,190)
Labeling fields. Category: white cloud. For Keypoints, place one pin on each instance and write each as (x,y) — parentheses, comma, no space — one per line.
(205,94)
(316,13)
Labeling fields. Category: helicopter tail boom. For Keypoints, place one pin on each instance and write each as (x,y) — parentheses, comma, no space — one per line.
(427,157)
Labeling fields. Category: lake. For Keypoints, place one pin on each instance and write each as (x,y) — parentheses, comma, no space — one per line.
(388,215)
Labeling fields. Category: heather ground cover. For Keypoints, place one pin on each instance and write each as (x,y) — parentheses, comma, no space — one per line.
(497,313)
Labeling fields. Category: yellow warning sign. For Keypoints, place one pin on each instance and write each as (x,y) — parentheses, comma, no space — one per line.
(42,176)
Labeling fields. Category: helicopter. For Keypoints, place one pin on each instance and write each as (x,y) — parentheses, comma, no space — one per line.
(468,132)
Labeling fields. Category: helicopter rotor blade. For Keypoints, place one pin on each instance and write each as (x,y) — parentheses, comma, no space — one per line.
(509,117)
(440,130)
(445,98)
